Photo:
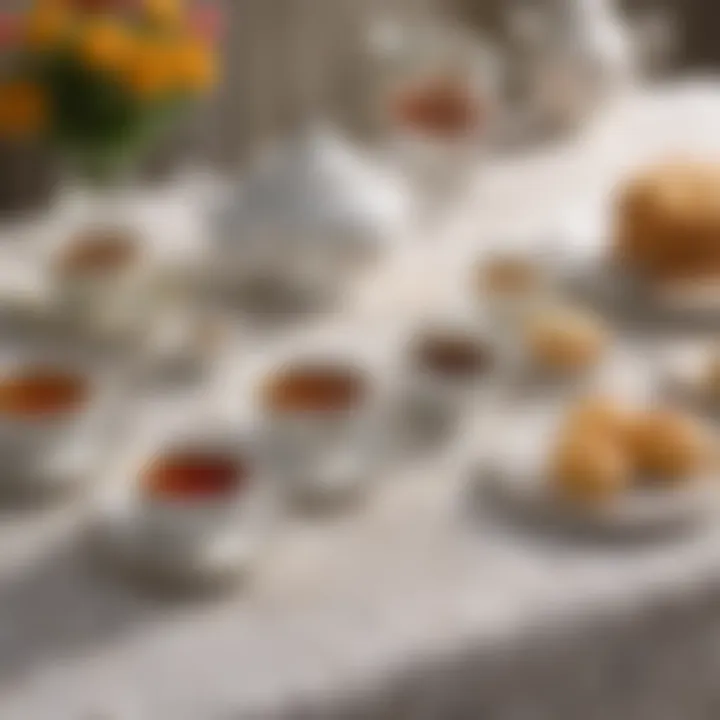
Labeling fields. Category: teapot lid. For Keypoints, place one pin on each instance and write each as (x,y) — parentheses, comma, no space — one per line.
(319,185)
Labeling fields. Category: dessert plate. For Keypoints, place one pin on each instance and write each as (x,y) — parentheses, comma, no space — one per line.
(584,267)
(516,477)
(673,300)
(598,279)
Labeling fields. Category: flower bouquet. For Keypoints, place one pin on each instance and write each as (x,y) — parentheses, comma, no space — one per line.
(102,80)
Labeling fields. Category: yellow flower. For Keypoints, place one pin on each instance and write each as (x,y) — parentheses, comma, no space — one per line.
(149,72)
(165,12)
(23,109)
(195,66)
(47,25)
(106,45)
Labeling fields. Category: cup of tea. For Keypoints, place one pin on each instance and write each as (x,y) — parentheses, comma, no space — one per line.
(449,366)
(438,100)
(56,420)
(198,504)
(98,277)
(325,423)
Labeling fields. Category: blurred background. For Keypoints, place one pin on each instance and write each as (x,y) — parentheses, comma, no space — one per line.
(262,41)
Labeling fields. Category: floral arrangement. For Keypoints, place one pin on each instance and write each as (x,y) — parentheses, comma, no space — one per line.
(100,80)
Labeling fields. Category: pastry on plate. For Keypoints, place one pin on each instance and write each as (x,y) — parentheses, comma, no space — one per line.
(565,340)
(588,467)
(603,448)
(601,415)
(668,223)
(668,446)
(595,468)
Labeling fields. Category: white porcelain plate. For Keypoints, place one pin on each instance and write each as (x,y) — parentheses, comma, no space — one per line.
(514,473)
(118,531)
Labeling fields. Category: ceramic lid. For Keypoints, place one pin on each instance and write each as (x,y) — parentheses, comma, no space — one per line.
(318,187)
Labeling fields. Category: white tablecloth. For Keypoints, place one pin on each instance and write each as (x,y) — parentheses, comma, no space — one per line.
(421,605)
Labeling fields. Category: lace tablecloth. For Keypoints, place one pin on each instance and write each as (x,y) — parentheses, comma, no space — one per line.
(423,604)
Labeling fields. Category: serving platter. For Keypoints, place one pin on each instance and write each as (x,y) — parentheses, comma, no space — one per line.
(514,474)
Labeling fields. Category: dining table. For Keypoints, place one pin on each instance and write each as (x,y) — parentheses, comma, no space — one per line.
(427,602)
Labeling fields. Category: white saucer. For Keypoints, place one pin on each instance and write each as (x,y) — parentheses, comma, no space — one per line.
(116,529)
(638,512)
(628,294)
(185,543)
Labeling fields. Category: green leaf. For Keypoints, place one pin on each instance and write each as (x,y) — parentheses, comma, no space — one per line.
(99,123)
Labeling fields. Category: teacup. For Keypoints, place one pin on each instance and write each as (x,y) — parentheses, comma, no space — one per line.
(99,278)
(449,365)
(325,422)
(199,505)
(56,418)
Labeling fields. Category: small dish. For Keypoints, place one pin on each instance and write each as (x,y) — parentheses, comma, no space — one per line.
(57,417)
(187,509)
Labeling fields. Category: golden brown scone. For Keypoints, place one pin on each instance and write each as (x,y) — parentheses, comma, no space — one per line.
(669,446)
(668,222)
(588,468)
(566,340)
(602,415)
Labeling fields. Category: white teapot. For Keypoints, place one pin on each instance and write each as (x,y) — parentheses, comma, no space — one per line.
(307,218)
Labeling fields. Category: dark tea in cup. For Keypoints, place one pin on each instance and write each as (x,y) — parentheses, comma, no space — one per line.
(455,357)
(193,475)
(39,392)
(315,389)
(98,253)
(441,108)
